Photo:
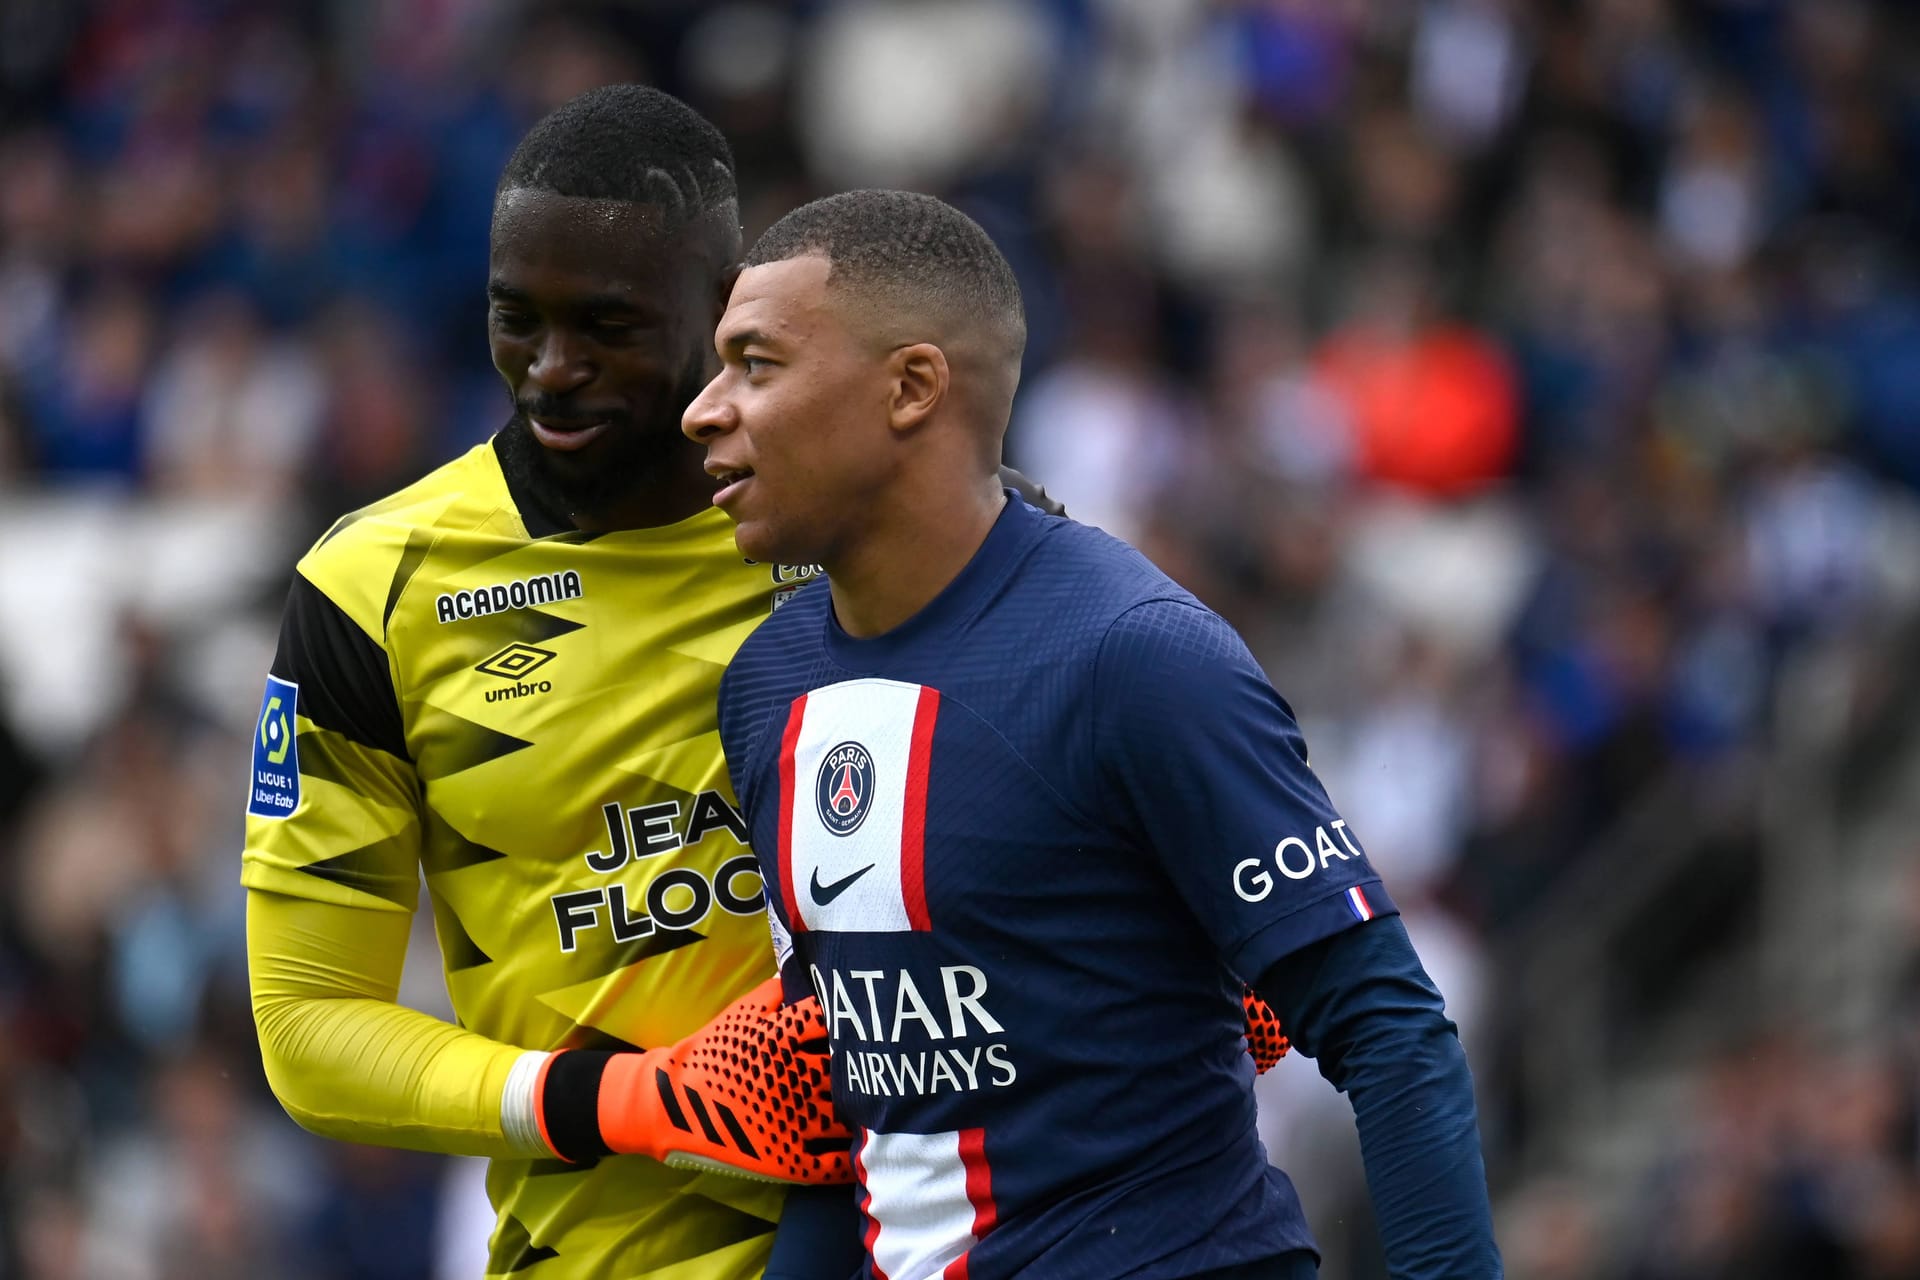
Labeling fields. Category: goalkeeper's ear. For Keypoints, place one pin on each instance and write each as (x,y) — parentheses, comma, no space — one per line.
(1035,493)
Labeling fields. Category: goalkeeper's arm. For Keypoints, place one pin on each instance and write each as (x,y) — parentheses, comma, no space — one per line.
(344,1059)
(747,1094)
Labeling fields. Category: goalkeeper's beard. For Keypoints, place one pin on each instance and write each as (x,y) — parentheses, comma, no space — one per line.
(635,452)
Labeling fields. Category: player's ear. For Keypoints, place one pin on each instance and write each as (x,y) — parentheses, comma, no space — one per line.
(918,376)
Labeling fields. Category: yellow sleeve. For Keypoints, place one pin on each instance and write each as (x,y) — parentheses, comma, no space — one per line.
(344,1059)
(333,809)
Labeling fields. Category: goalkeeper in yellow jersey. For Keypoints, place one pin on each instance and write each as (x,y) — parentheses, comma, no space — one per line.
(504,676)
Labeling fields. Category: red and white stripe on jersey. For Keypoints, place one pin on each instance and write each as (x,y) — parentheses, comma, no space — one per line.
(928,1199)
(1358,904)
(872,879)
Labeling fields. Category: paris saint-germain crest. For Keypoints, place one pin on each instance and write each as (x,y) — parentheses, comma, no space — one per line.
(843,790)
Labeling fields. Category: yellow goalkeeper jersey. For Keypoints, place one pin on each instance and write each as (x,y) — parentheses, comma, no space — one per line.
(526,715)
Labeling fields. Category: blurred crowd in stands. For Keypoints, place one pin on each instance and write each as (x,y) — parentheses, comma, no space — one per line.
(1529,380)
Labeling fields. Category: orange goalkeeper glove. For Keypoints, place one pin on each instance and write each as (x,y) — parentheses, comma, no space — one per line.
(748,1094)
(1265,1040)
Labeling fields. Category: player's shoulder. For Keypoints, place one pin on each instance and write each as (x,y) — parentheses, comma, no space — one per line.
(1086,581)
(355,560)
(467,493)
(1120,610)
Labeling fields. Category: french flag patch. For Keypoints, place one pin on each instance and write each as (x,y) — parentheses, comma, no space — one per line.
(1358,904)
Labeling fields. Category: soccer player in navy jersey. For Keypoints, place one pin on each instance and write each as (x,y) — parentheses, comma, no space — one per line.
(1027,812)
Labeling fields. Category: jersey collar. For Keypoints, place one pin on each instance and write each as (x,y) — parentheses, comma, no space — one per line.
(540,522)
(1015,530)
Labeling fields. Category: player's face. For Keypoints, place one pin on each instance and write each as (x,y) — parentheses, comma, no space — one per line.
(795,423)
(599,322)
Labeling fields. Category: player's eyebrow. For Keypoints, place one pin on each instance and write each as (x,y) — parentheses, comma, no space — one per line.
(597,303)
(740,339)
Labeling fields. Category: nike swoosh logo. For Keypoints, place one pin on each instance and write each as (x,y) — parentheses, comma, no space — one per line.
(825,893)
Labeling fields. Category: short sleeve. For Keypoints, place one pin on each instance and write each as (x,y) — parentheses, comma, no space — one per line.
(332,799)
(1204,764)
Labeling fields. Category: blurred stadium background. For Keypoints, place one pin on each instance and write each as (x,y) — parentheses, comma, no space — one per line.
(1536,384)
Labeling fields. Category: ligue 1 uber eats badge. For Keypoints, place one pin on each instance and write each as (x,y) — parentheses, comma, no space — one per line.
(275,792)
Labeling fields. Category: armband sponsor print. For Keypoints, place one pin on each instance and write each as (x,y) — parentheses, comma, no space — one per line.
(274,789)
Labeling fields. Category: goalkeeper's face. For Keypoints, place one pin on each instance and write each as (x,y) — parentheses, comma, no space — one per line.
(600,318)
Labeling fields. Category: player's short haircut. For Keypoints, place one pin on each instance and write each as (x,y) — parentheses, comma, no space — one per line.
(910,251)
(627,142)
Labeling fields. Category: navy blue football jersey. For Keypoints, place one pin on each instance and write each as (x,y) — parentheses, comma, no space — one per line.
(1024,847)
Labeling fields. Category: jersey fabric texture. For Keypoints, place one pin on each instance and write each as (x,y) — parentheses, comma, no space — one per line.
(1024,847)
(525,714)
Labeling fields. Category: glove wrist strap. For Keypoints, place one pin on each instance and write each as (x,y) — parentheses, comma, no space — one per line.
(570,1104)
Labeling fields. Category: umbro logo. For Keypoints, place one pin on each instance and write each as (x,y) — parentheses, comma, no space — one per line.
(825,893)
(514,663)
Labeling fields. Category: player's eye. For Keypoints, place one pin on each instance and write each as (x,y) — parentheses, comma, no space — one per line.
(755,364)
(509,321)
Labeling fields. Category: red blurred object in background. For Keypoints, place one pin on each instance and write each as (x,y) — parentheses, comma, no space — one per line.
(1436,411)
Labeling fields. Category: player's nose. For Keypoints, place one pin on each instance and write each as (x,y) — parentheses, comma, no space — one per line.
(560,364)
(711,414)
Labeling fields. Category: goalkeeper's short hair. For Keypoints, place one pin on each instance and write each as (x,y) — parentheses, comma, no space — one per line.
(632,143)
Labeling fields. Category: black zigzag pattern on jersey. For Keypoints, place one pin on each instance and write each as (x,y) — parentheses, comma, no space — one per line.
(320,757)
(340,526)
(466,745)
(585,1037)
(657,943)
(515,1247)
(457,946)
(445,848)
(534,627)
(345,682)
(487,635)
(527,626)
(419,542)
(711,1227)
(363,869)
